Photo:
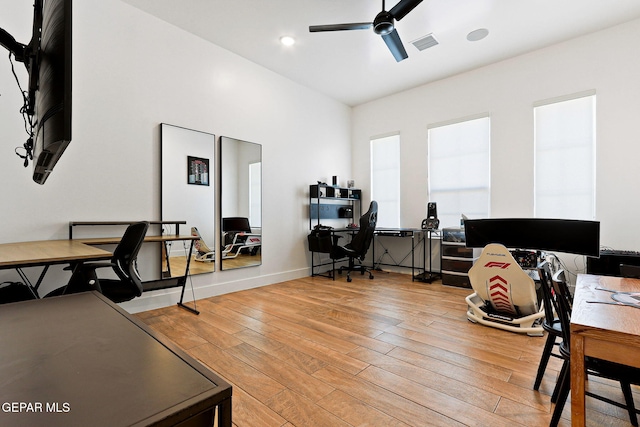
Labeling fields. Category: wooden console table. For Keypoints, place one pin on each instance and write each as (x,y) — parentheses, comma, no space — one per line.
(79,359)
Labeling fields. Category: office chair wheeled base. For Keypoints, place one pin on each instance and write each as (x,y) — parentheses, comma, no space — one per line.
(361,268)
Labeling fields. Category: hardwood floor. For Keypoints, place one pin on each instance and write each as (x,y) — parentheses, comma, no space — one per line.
(382,352)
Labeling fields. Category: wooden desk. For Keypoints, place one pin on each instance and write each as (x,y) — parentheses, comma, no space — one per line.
(116,240)
(610,332)
(81,360)
(46,253)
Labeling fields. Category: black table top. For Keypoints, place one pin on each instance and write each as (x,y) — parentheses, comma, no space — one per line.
(81,360)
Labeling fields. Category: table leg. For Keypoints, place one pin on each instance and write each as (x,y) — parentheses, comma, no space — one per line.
(577,381)
(224,413)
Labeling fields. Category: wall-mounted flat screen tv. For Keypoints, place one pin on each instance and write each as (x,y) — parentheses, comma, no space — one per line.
(47,106)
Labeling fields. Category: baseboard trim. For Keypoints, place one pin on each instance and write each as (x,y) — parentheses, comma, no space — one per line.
(167,297)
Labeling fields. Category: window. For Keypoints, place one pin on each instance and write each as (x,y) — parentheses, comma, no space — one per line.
(460,169)
(385,179)
(255,194)
(565,140)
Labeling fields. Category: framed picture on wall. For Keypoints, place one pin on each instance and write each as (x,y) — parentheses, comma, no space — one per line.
(197,170)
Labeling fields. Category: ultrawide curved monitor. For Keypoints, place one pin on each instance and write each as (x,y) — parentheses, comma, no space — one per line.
(553,235)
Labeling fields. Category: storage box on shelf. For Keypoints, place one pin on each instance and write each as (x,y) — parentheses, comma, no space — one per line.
(457,259)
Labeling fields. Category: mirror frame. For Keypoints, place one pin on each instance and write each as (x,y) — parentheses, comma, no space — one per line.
(238,253)
(185,196)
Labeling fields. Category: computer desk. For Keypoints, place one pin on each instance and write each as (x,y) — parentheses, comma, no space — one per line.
(81,360)
(45,253)
(148,285)
(423,236)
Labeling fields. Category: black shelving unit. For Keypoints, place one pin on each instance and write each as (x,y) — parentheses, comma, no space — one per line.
(329,202)
(340,205)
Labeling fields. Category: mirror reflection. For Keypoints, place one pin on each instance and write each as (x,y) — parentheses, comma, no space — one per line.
(188,195)
(240,203)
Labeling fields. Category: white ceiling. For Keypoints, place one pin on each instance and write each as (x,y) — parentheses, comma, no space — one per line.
(356,66)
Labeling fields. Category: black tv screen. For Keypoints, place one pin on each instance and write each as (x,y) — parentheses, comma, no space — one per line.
(53,88)
(553,235)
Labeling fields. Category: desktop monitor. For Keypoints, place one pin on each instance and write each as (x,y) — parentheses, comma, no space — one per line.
(48,101)
(554,235)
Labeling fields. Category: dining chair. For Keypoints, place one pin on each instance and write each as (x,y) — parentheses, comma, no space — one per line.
(550,324)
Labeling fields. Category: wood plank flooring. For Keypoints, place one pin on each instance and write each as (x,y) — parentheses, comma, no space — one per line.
(383,352)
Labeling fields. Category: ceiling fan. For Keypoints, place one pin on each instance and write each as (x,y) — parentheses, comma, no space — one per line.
(383,24)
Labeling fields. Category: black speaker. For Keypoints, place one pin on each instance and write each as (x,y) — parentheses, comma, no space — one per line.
(432,211)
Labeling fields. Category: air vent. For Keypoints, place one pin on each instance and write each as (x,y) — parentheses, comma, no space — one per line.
(425,42)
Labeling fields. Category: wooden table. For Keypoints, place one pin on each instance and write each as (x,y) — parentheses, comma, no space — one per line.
(81,360)
(46,253)
(609,332)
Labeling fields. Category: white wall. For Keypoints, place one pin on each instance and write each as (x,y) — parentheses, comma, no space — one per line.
(133,72)
(607,61)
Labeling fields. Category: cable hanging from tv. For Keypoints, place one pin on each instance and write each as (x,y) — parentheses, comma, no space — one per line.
(21,53)
(29,125)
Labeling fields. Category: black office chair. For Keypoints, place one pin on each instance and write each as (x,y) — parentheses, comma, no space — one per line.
(626,375)
(128,285)
(359,245)
(551,324)
(15,291)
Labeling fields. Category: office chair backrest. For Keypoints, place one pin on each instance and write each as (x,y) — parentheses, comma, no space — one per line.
(499,280)
(362,240)
(126,252)
(236,224)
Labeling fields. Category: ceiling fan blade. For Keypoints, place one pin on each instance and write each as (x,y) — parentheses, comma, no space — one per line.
(340,27)
(395,45)
(403,7)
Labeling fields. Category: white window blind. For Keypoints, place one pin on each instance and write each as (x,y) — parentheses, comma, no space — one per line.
(460,169)
(385,179)
(565,139)
(255,194)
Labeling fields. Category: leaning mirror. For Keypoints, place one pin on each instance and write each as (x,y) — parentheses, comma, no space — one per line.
(187,195)
(240,203)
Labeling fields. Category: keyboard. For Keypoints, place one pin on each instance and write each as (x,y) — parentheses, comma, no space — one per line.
(619,252)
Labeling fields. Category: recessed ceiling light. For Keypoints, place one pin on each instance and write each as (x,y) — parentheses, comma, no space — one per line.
(477,35)
(287,40)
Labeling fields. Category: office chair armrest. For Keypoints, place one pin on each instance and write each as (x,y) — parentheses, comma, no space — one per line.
(96,265)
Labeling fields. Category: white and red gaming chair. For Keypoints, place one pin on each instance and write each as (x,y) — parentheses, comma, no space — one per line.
(504,295)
